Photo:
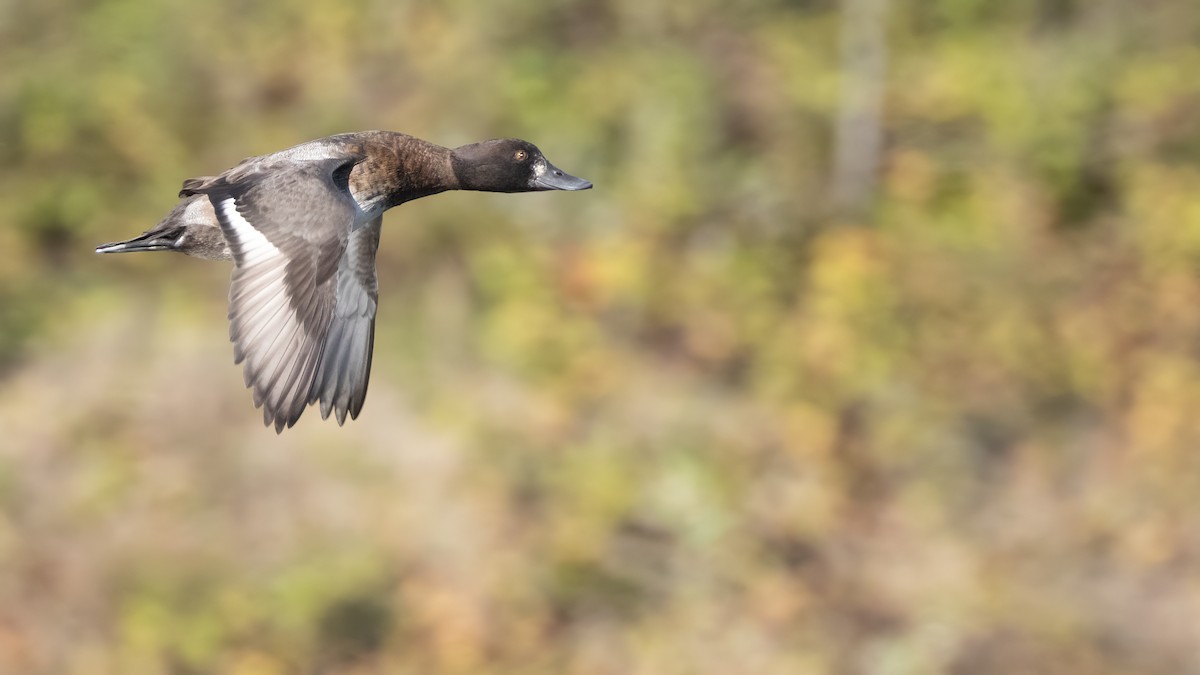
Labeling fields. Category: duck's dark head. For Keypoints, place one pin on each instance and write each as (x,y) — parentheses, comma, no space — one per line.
(509,165)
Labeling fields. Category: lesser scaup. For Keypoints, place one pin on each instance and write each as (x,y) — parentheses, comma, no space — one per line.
(302,227)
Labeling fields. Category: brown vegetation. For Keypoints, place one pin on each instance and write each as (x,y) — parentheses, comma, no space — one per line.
(697,420)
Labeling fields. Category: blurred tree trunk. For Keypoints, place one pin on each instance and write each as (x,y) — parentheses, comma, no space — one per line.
(859,132)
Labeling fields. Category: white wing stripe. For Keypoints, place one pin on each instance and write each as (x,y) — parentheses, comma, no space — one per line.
(252,244)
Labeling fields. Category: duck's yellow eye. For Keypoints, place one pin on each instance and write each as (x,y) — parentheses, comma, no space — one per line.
(520,156)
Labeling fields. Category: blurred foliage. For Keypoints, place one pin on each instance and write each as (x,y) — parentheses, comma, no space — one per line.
(693,421)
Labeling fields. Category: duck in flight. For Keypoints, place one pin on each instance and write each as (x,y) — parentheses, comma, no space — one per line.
(302,228)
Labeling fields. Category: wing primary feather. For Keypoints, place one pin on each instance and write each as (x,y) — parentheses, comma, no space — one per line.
(360,396)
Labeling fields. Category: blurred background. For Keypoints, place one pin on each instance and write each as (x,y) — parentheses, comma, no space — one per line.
(876,348)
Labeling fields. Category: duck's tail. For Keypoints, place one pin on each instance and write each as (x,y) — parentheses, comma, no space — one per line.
(166,239)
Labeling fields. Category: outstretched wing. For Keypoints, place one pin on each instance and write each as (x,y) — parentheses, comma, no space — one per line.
(287,225)
(341,381)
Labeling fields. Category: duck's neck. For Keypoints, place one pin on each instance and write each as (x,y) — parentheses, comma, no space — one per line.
(400,168)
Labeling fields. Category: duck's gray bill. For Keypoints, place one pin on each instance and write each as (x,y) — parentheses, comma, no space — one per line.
(555,178)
